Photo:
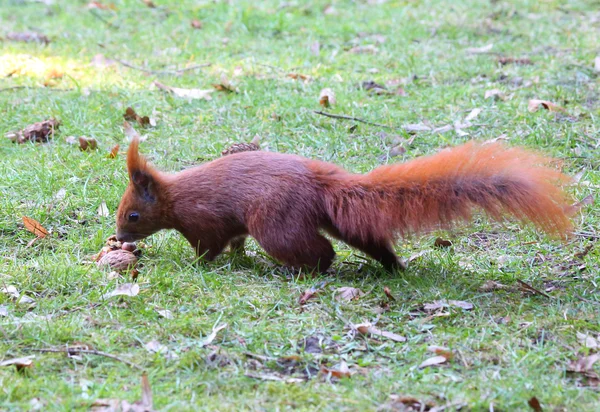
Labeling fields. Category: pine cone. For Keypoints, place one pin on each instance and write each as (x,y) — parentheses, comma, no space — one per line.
(240,147)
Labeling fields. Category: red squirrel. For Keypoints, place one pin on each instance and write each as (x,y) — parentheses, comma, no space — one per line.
(285,201)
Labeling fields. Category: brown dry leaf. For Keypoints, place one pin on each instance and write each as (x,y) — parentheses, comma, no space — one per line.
(583,364)
(534,403)
(225,86)
(118,260)
(298,76)
(497,94)
(20,363)
(103,210)
(528,288)
(436,360)
(114,152)
(28,37)
(341,371)
(441,243)
(349,293)
(388,293)
(534,105)
(132,116)
(368,49)
(588,341)
(197,24)
(370,330)
(480,50)
(125,289)
(577,206)
(408,403)
(376,87)
(512,60)
(131,133)
(208,340)
(38,132)
(34,227)
(491,285)
(87,143)
(101,6)
(327,97)
(308,294)
(149,3)
(186,93)
(397,150)
(441,351)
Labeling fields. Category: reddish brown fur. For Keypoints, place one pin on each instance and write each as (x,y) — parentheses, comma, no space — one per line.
(284,200)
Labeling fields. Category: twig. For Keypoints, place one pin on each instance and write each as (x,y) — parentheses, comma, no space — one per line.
(532,289)
(356,119)
(159,72)
(102,19)
(89,352)
(37,88)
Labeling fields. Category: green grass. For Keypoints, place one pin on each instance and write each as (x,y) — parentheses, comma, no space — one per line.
(499,363)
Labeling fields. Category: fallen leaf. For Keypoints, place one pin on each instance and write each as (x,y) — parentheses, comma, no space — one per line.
(114,152)
(146,393)
(442,243)
(497,94)
(208,340)
(368,49)
(408,403)
(308,294)
(583,364)
(225,85)
(341,371)
(388,293)
(28,37)
(534,105)
(149,3)
(297,76)
(397,150)
(118,260)
(480,50)
(438,304)
(349,293)
(472,114)
(39,132)
(197,24)
(586,201)
(531,289)
(103,210)
(535,404)
(132,116)
(441,351)
(86,143)
(419,127)
(315,48)
(155,346)
(34,227)
(329,10)
(371,85)
(20,363)
(512,60)
(491,285)
(13,292)
(165,313)
(370,330)
(186,93)
(436,360)
(273,377)
(101,6)
(125,289)
(588,341)
(327,97)
(100,60)
(3,310)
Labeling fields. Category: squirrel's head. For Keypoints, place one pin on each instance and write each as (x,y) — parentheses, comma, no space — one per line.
(140,212)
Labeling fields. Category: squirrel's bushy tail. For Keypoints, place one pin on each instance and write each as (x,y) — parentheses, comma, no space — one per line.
(439,190)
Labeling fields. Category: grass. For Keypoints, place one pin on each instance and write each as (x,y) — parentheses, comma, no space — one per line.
(510,347)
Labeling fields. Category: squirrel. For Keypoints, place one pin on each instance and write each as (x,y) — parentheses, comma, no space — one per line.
(285,201)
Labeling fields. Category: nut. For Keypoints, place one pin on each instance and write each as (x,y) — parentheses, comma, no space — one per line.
(128,246)
(118,260)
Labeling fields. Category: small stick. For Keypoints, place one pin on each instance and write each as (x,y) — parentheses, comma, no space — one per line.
(89,352)
(102,19)
(143,69)
(532,289)
(356,119)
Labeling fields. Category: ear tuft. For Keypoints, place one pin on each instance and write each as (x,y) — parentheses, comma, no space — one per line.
(141,174)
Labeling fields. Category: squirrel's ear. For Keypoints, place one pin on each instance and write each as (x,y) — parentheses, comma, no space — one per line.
(140,173)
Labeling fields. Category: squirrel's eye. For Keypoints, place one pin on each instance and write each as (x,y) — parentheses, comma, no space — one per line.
(133,217)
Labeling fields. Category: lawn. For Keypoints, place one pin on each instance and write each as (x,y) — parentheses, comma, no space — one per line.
(409,69)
